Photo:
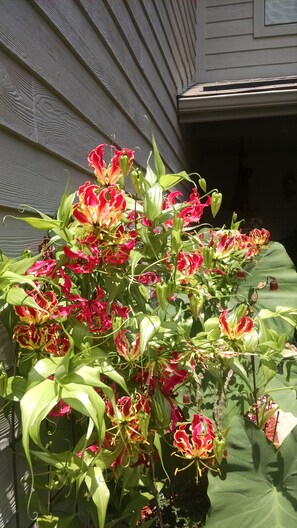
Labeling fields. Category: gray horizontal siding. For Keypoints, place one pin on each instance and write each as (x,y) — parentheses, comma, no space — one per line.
(228,49)
(78,73)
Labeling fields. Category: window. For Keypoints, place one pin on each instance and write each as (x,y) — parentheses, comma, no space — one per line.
(275,17)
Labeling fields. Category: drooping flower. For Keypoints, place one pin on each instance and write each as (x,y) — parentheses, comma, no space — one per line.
(80,262)
(48,338)
(235,327)
(119,165)
(47,307)
(189,263)
(99,208)
(61,409)
(129,351)
(131,416)
(194,209)
(259,237)
(195,440)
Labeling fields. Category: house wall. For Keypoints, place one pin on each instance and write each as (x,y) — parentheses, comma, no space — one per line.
(229,46)
(74,74)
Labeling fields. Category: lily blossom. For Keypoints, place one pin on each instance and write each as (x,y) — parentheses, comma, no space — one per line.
(120,164)
(234,328)
(198,442)
(99,207)
(260,237)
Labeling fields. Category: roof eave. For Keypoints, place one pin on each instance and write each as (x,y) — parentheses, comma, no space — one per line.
(219,107)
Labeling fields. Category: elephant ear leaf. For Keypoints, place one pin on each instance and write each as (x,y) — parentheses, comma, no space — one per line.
(273,262)
(259,481)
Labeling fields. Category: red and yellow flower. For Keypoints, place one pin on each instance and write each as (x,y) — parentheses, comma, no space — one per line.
(119,165)
(234,326)
(195,440)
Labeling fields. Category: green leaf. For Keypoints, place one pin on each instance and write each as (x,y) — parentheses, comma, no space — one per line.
(21,266)
(44,224)
(273,262)
(65,209)
(153,202)
(159,165)
(169,180)
(35,406)
(148,327)
(18,297)
(85,400)
(99,491)
(283,389)
(259,483)
(42,370)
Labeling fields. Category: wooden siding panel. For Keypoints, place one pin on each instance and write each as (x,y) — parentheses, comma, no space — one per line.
(157,25)
(15,236)
(171,9)
(85,42)
(142,25)
(229,12)
(250,58)
(251,72)
(33,177)
(63,131)
(17,100)
(246,42)
(126,45)
(186,33)
(229,28)
(64,73)
(180,78)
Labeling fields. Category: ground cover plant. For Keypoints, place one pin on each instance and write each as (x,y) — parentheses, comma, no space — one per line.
(153,352)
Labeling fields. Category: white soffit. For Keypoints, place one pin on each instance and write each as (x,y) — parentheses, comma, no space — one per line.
(238,99)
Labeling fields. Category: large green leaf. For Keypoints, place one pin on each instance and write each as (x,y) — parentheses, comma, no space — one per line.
(273,262)
(35,406)
(99,491)
(259,484)
(283,388)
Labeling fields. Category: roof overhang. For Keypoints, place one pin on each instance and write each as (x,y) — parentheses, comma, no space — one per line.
(238,100)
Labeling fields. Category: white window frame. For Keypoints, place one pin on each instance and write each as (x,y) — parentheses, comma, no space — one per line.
(260,30)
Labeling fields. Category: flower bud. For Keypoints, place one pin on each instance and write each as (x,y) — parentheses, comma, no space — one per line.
(162,294)
(208,255)
(196,303)
(219,445)
(124,162)
(216,200)
(161,410)
(202,184)
(137,178)
(186,399)
(273,286)
(3,381)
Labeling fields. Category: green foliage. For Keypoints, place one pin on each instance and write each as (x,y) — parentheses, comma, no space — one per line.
(258,482)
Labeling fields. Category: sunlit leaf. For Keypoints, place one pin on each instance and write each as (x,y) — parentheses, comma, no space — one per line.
(259,483)
(99,492)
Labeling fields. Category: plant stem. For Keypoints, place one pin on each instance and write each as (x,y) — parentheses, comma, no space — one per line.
(255,389)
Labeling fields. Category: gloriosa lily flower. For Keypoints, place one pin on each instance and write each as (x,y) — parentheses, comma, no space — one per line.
(131,416)
(198,442)
(48,303)
(97,207)
(235,327)
(48,338)
(120,164)
(259,237)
